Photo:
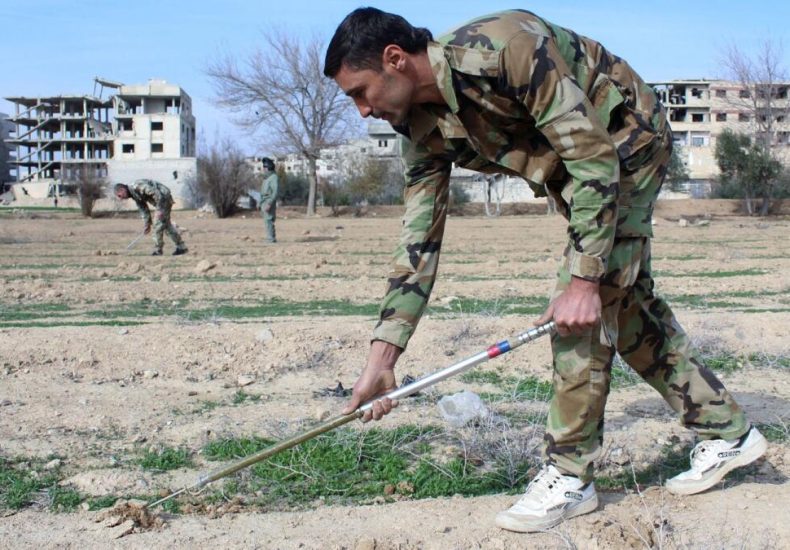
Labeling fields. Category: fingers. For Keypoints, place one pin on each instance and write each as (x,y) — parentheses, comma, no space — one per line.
(353,404)
(575,325)
(380,408)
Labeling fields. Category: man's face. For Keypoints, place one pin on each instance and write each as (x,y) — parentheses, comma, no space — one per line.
(385,94)
(121,193)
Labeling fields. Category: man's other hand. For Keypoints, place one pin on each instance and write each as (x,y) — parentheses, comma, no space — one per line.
(377,379)
(577,309)
(147,228)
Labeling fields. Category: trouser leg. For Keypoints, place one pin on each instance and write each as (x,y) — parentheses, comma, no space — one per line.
(162,225)
(269,218)
(582,374)
(159,229)
(654,344)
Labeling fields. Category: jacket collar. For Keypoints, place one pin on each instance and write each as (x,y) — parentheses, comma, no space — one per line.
(424,118)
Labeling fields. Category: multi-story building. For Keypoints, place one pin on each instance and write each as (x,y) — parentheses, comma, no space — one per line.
(380,144)
(700,110)
(140,131)
(6,127)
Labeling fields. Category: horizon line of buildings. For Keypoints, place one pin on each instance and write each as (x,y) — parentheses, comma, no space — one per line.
(149,131)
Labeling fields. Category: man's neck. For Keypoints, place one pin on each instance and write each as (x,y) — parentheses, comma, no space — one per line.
(427,89)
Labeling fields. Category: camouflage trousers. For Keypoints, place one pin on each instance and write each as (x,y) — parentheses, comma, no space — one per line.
(640,326)
(162,223)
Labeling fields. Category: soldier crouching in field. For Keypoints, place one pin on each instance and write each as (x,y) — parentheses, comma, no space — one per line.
(145,192)
(513,93)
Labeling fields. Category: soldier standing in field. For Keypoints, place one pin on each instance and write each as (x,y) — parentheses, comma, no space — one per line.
(515,94)
(145,192)
(269,190)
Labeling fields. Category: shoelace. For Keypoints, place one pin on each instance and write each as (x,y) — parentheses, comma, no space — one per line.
(701,453)
(542,484)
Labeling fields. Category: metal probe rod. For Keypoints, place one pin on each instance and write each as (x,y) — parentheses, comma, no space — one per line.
(137,238)
(426,381)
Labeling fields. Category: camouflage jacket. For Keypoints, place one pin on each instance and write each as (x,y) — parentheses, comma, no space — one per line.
(145,192)
(526,98)
(269,188)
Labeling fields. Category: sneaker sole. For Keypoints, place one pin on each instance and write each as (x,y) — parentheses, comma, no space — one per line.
(693,487)
(521,524)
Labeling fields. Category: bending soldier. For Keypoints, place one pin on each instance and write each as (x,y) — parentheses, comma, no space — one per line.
(512,93)
(145,192)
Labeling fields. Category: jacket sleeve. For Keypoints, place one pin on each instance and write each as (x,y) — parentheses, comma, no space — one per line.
(539,77)
(415,262)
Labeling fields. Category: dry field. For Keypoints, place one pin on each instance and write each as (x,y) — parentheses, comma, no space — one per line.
(124,376)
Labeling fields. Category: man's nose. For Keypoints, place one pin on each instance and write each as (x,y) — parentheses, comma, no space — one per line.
(365,110)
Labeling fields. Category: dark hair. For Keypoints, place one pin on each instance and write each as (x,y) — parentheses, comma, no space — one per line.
(362,36)
(120,186)
(267,163)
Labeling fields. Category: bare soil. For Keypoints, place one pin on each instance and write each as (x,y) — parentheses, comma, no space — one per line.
(105,352)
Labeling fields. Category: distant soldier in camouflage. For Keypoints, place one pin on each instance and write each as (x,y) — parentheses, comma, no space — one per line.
(512,93)
(145,192)
(269,190)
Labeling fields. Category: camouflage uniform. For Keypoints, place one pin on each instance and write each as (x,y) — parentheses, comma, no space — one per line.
(152,192)
(269,197)
(527,98)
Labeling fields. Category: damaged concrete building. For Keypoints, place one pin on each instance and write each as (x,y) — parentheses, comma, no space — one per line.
(138,131)
(700,110)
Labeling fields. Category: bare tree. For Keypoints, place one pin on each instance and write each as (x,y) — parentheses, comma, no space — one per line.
(763,94)
(763,99)
(223,177)
(280,91)
(89,186)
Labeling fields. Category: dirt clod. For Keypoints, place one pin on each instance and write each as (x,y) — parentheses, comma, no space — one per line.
(132,516)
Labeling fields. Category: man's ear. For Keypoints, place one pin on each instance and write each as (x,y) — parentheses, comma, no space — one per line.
(394,57)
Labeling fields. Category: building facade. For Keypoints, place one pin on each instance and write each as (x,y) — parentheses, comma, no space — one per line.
(700,110)
(6,127)
(139,131)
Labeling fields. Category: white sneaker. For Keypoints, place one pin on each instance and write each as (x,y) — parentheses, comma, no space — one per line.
(713,459)
(549,499)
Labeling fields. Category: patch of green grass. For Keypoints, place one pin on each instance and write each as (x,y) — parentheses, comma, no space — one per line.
(64,499)
(481,377)
(512,387)
(713,274)
(100,503)
(775,433)
(49,324)
(240,397)
(20,479)
(623,376)
(232,449)
(30,311)
(166,459)
(668,464)
(497,307)
(721,361)
(724,299)
(685,257)
(205,406)
(520,276)
(528,387)
(767,360)
(352,466)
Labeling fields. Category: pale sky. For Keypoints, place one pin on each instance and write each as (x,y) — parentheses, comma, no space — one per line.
(51,47)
